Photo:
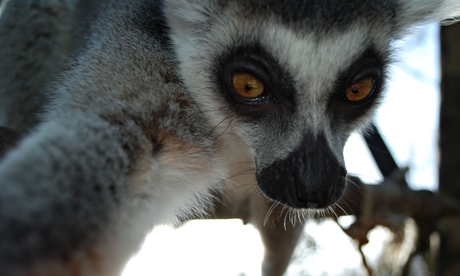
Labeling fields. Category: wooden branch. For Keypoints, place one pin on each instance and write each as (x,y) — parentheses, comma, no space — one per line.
(390,204)
(391,197)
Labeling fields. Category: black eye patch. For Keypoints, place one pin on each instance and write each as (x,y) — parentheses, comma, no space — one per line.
(358,87)
(254,84)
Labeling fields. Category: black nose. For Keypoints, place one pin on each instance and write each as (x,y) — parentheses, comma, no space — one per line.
(309,177)
(322,193)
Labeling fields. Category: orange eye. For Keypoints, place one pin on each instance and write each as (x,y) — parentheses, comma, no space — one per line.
(360,90)
(247,86)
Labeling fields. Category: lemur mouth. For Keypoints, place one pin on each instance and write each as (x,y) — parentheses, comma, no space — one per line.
(310,177)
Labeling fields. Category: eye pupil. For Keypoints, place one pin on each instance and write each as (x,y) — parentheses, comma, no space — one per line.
(247,85)
(360,90)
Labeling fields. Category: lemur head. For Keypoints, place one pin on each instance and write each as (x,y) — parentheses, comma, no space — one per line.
(295,78)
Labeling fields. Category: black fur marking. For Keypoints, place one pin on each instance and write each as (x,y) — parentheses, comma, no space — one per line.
(370,63)
(322,15)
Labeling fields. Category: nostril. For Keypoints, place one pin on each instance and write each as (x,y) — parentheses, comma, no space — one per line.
(318,199)
(303,196)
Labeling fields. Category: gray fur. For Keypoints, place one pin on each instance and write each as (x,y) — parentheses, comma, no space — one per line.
(33,55)
(51,30)
(140,130)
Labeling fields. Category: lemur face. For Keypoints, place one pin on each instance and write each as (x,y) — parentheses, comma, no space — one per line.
(296,119)
(292,79)
(293,91)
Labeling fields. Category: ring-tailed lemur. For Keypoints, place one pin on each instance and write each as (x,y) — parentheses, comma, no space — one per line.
(167,98)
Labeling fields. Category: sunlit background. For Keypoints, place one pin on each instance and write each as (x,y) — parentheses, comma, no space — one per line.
(408,121)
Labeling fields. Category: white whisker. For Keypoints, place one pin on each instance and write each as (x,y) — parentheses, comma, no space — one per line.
(270,212)
(340,207)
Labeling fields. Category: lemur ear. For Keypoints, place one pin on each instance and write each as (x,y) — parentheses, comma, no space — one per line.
(450,12)
(425,11)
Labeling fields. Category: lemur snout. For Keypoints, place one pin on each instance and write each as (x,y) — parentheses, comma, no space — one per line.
(310,177)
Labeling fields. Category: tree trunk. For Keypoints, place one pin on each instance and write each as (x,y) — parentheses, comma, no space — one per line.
(449,170)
